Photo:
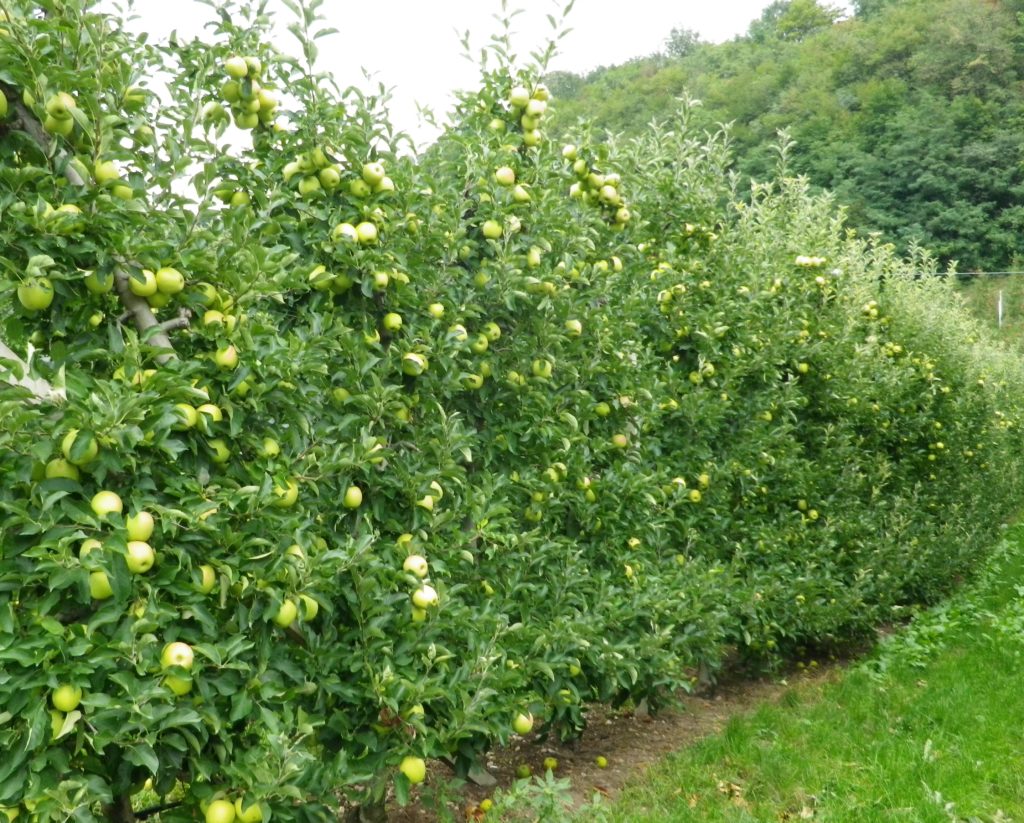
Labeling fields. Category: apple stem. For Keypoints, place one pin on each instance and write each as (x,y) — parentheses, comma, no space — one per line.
(143,318)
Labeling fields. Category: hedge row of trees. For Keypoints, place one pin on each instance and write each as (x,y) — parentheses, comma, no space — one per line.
(322,460)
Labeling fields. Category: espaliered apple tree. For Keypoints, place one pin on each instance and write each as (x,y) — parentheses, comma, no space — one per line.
(321,460)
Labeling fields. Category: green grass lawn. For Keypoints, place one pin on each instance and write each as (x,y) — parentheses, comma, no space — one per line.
(929,728)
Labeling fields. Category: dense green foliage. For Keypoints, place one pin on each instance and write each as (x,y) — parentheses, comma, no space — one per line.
(631,420)
(911,112)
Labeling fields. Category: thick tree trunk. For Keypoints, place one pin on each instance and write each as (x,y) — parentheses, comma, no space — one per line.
(121,811)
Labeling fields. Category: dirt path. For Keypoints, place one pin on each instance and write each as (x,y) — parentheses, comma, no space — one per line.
(629,742)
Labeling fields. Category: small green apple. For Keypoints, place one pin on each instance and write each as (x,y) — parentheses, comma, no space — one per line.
(106,502)
(65,698)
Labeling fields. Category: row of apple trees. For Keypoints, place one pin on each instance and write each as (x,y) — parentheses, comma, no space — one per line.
(321,461)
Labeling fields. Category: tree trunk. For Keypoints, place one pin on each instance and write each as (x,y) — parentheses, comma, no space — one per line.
(121,811)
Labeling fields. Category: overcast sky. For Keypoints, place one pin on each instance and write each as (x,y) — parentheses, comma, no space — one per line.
(412,46)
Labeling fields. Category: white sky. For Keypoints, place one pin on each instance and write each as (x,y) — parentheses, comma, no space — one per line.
(413,46)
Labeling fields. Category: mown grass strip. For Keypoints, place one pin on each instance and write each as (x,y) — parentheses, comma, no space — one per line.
(928,729)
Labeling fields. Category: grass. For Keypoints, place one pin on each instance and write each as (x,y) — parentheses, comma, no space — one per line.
(930,728)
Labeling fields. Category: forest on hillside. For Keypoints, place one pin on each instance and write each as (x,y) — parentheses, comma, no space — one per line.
(909,110)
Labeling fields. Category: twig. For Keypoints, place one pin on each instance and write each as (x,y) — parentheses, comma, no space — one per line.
(182,321)
(143,814)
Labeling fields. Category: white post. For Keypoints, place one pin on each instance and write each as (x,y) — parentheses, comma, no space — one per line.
(999,309)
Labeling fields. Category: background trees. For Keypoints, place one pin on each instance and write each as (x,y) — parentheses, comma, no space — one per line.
(907,112)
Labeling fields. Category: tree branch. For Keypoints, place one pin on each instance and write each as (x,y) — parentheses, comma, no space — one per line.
(40,389)
(182,321)
(143,318)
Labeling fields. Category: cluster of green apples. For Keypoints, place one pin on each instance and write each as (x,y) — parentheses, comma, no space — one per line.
(157,287)
(525,110)
(250,103)
(223,810)
(60,119)
(424,596)
(597,188)
(315,172)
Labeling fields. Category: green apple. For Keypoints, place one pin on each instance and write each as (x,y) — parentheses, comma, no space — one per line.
(414,364)
(169,280)
(601,761)
(221,450)
(345,231)
(570,152)
(491,229)
(353,497)
(285,496)
(99,585)
(140,556)
(226,357)
(384,186)
(61,469)
(359,188)
(522,723)
(373,173)
(99,282)
(88,546)
(414,768)
(536,108)
(602,409)
(473,382)
(65,698)
(140,526)
(392,321)
(36,293)
(310,607)
(106,502)
(270,447)
(330,178)
(308,186)
(143,285)
(620,441)
(519,96)
(366,233)
(57,126)
(424,597)
(60,105)
(179,685)
(505,176)
(532,138)
(286,614)
(521,194)
(211,412)
(436,310)
(416,564)
(3,106)
(541,368)
(208,580)
(236,67)
(105,171)
(574,327)
(220,811)
(247,814)
(177,654)
(550,764)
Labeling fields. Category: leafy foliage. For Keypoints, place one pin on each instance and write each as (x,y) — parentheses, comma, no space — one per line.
(428,443)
